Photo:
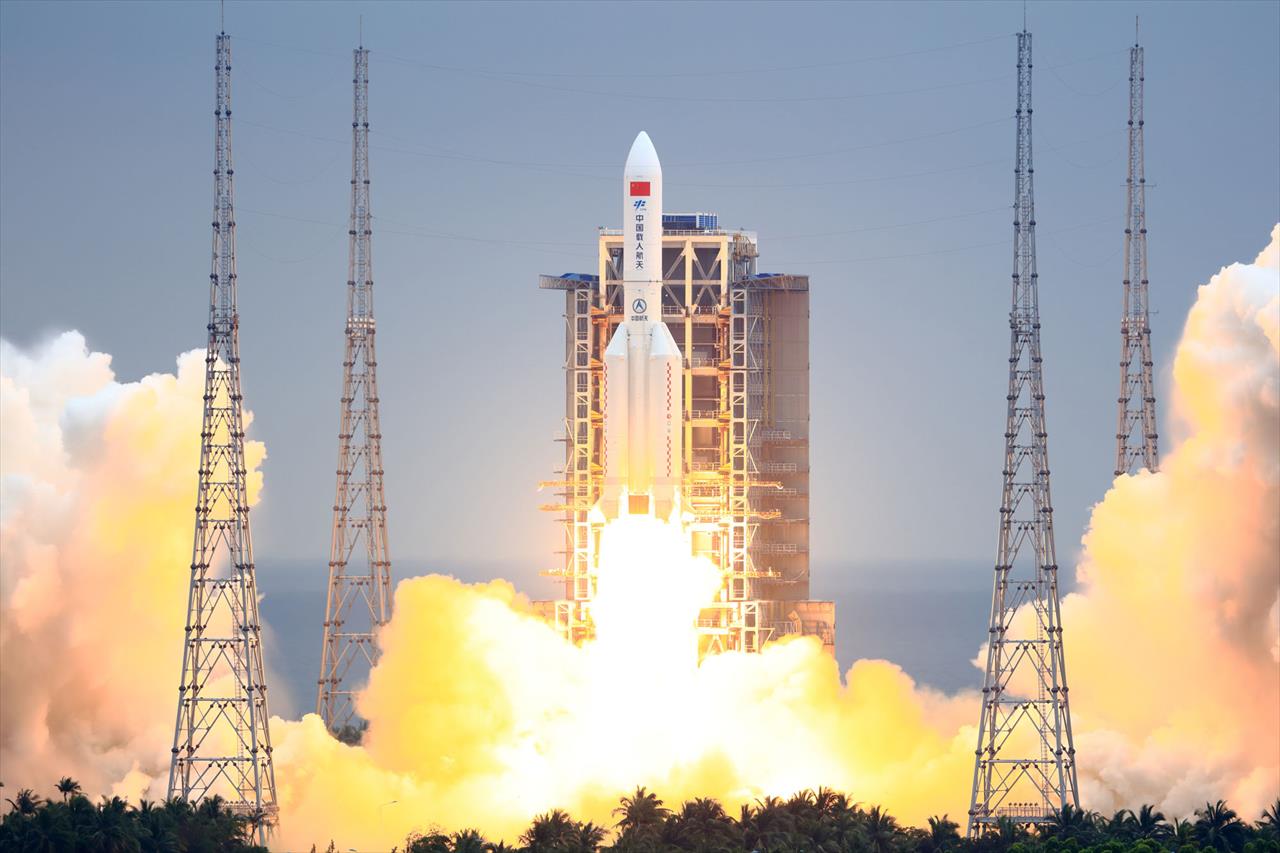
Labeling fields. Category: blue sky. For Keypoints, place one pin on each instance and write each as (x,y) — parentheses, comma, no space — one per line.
(870,146)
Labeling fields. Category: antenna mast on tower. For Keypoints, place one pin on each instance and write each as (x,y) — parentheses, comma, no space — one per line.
(1024,767)
(1136,435)
(359,600)
(221,742)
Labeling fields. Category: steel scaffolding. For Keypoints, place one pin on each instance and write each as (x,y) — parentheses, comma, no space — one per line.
(1136,436)
(221,739)
(359,600)
(1024,767)
(753,528)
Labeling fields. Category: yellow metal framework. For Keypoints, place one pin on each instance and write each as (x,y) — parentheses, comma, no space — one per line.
(719,312)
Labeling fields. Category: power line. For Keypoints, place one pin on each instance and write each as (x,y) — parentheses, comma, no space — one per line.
(513,79)
(449,154)
(722,186)
(681,75)
(713,72)
(748,100)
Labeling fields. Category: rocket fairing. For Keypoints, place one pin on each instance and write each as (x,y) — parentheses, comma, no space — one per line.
(643,369)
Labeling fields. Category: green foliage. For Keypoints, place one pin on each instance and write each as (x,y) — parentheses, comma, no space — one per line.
(812,821)
(113,826)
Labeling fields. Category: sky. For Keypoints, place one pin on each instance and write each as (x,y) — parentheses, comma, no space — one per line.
(869,145)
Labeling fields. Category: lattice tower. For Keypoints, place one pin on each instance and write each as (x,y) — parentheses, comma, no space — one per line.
(359,599)
(221,741)
(1136,435)
(1024,766)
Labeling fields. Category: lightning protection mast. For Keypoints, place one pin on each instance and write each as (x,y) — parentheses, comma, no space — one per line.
(359,600)
(221,742)
(1024,767)
(1136,437)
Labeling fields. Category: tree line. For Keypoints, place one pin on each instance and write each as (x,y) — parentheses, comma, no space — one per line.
(826,821)
(70,823)
(815,821)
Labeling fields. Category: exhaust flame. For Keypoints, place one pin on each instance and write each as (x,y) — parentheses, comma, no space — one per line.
(482,716)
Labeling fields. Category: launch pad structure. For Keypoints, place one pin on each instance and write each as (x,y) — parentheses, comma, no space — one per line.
(744,341)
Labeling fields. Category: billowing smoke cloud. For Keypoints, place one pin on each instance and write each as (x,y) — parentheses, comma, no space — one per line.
(1173,642)
(481,716)
(96,505)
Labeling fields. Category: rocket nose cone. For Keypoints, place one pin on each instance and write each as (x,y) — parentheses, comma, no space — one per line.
(643,158)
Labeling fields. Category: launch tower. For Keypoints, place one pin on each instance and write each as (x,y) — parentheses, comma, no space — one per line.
(1024,766)
(359,600)
(221,742)
(1136,437)
(744,348)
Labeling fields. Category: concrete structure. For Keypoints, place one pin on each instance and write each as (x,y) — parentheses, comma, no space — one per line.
(744,341)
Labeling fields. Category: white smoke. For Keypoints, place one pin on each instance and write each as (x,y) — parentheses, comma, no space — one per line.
(480,715)
(1173,639)
(97,486)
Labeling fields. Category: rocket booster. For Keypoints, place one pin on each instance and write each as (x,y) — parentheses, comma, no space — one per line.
(643,370)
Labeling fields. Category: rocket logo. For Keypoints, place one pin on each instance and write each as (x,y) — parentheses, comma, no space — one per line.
(639,188)
(639,306)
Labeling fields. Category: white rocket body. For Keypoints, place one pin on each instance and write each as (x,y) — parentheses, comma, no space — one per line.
(643,370)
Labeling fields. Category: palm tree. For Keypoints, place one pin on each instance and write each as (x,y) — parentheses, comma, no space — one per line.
(156,829)
(468,841)
(1269,824)
(1149,823)
(1069,822)
(1122,825)
(1219,827)
(846,822)
(68,787)
(549,832)
(828,801)
(882,830)
(944,833)
(702,825)
(809,815)
(586,838)
(81,814)
(26,803)
(41,832)
(1182,832)
(1010,832)
(435,842)
(770,824)
(642,811)
(115,831)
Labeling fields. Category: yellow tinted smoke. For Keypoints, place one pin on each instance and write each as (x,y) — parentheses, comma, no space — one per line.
(481,716)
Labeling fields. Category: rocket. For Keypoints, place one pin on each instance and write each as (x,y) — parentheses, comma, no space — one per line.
(643,369)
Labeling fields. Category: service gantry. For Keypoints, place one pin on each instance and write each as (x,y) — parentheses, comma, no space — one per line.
(1024,767)
(359,599)
(221,740)
(744,340)
(1136,434)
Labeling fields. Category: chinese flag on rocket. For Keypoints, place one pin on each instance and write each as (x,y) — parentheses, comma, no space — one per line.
(639,188)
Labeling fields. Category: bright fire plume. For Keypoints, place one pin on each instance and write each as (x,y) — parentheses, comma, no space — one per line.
(481,716)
